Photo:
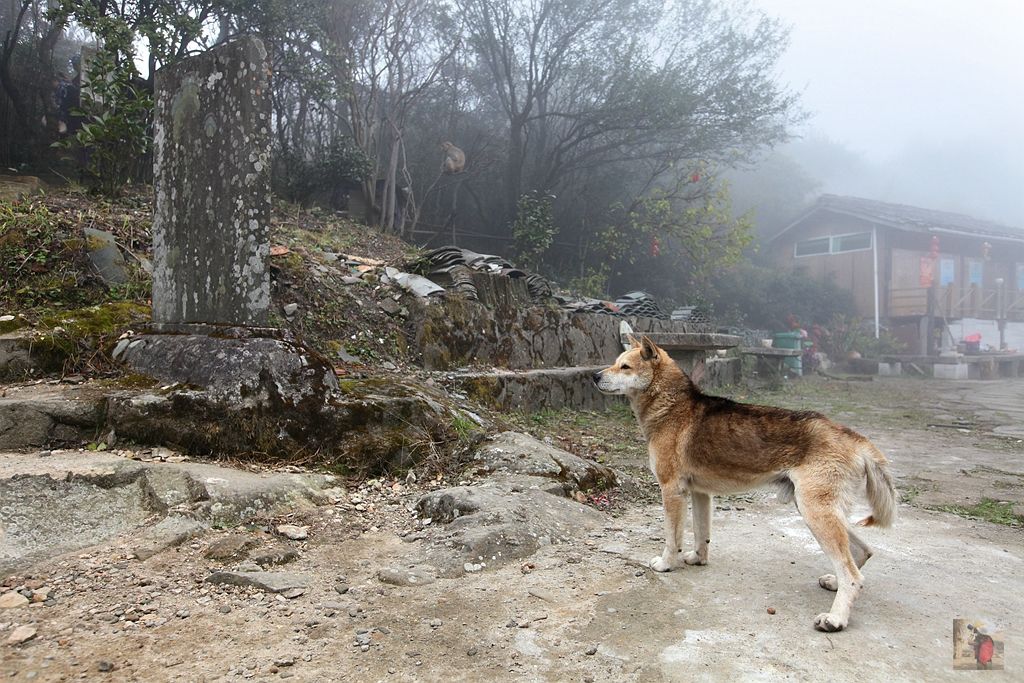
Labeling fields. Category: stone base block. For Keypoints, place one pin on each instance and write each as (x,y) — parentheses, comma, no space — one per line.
(890,369)
(230,361)
(950,371)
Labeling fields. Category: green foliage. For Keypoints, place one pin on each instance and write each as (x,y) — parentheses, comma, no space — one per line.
(45,263)
(79,340)
(760,297)
(594,283)
(166,27)
(465,429)
(116,114)
(845,334)
(670,244)
(35,257)
(534,228)
(343,163)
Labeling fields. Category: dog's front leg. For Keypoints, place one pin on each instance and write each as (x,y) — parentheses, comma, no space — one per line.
(701,528)
(673,500)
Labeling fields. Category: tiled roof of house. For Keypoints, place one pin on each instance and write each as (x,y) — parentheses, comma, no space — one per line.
(913,218)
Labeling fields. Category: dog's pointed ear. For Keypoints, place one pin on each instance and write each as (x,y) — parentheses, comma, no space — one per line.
(634,343)
(648,351)
(697,374)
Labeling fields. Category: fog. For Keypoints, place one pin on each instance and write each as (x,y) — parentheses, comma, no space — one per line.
(921,102)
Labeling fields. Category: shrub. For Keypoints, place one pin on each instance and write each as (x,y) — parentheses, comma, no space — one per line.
(534,228)
(300,179)
(114,134)
(759,297)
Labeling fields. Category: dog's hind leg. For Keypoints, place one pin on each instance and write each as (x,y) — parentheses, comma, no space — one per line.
(861,552)
(673,501)
(829,528)
(701,528)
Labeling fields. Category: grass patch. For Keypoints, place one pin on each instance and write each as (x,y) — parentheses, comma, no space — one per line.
(988,510)
(465,429)
(80,340)
(910,494)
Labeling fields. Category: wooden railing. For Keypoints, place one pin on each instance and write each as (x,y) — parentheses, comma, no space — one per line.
(951,302)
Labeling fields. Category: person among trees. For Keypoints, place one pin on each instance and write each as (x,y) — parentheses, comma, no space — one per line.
(66,100)
(984,647)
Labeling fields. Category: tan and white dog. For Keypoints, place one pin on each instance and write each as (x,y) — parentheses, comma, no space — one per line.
(705,445)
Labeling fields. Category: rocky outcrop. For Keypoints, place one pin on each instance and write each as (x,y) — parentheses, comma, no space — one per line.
(523,505)
(496,523)
(365,427)
(231,362)
(63,502)
(31,417)
(517,453)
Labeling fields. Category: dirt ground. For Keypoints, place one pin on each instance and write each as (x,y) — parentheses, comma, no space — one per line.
(587,610)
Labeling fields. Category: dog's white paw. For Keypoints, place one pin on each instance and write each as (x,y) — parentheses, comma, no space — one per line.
(828,582)
(692,557)
(828,622)
(660,564)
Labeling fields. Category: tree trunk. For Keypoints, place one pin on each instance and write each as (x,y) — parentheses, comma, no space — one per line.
(514,168)
(10,42)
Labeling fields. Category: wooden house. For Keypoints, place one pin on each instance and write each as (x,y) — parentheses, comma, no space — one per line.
(915,272)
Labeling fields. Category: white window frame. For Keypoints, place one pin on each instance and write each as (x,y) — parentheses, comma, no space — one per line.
(812,239)
(831,244)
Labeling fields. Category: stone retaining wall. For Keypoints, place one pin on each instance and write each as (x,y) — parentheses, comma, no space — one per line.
(455,332)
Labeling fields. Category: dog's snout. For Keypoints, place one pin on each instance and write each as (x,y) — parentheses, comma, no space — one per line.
(597,376)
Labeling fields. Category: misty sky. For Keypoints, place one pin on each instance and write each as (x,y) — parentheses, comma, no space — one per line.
(938,84)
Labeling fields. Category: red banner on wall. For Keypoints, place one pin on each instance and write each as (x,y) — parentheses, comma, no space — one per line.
(927,271)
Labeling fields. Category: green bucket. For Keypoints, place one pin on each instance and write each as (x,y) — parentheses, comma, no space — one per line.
(790,340)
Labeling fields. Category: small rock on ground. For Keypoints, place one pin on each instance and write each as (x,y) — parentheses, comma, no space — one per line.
(12,599)
(20,635)
(293,532)
(273,582)
(411,576)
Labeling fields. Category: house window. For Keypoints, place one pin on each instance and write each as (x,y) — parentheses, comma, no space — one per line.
(813,247)
(1020,277)
(836,244)
(857,242)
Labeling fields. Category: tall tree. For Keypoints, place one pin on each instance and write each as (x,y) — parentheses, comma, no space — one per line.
(395,51)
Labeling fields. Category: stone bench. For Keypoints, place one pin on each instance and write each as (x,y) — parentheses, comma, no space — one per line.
(687,348)
(770,359)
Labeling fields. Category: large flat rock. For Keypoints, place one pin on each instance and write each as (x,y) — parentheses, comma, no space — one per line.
(517,453)
(272,582)
(69,500)
(496,523)
(38,415)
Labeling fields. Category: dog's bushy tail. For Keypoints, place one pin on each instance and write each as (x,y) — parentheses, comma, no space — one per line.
(881,491)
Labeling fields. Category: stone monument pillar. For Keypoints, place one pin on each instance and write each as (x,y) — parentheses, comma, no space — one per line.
(211,240)
(212,183)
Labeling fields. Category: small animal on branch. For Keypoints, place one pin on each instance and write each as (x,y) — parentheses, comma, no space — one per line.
(454,159)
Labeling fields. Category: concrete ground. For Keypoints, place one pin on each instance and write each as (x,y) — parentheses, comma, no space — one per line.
(585,610)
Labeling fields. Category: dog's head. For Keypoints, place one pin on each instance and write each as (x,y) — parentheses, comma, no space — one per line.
(634,370)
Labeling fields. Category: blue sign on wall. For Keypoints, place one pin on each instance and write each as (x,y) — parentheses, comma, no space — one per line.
(947,271)
(974,272)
